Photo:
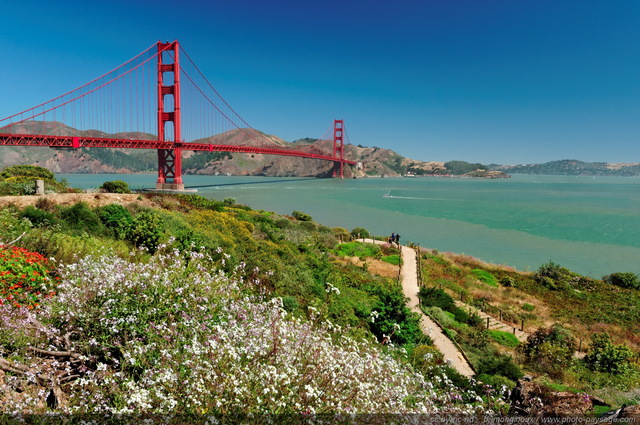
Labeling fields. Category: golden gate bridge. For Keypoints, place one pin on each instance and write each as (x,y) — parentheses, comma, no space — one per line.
(153,101)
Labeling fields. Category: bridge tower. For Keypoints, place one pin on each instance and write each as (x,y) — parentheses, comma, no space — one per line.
(169,160)
(338,148)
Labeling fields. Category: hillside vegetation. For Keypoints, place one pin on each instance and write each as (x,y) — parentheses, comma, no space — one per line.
(177,303)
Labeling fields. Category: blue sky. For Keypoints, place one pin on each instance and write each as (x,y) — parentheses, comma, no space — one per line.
(486,81)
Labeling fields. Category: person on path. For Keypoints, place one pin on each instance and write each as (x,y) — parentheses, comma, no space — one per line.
(392,238)
(398,240)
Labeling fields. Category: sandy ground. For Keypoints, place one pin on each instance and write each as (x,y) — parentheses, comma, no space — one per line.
(93,199)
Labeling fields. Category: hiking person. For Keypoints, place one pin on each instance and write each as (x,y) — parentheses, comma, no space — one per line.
(398,240)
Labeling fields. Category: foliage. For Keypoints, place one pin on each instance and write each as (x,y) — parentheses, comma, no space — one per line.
(360,232)
(553,276)
(140,161)
(394,320)
(358,249)
(605,356)
(435,297)
(116,218)
(504,338)
(623,280)
(145,230)
(528,307)
(392,259)
(486,277)
(32,171)
(300,216)
(198,201)
(25,277)
(115,186)
(20,180)
(462,167)
(549,350)
(80,218)
(38,217)
(500,364)
(177,335)
(202,159)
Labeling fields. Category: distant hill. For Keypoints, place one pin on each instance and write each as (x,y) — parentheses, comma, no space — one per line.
(377,161)
(572,167)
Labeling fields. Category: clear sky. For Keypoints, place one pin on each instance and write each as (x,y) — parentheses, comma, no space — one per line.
(490,81)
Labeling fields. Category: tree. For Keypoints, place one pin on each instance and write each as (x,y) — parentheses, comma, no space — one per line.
(360,232)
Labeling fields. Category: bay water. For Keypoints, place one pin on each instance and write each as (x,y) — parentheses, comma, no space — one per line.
(590,225)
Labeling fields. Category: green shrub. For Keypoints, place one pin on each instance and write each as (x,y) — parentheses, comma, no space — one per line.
(360,232)
(32,171)
(504,338)
(623,280)
(38,217)
(115,186)
(116,218)
(300,216)
(145,230)
(392,259)
(549,350)
(357,249)
(486,277)
(605,356)
(434,297)
(500,364)
(80,218)
(528,307)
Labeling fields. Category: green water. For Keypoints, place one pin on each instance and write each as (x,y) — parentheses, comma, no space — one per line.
(590,225)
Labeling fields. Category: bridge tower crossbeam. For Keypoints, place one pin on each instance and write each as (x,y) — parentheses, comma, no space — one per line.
(169,160)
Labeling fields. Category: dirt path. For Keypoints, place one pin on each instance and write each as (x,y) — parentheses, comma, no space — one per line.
(409,279)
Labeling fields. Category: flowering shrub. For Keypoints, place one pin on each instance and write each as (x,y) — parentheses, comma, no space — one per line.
(25,277)
(176,335)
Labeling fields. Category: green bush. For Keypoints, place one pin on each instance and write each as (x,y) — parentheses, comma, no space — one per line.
(605,356)
(528,307)
(116,218)
(486,277)
(549,350)
(357,249)
(500,364)
(115,186)
(79,218)
(623,280)
(38,217)
(300,216)
(392,259)
(434,297)
(145,230)
(504,338)
(32,171)
(360,232)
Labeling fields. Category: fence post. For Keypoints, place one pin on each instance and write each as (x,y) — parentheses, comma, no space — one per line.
(501,315)
(487,323)
(522,327)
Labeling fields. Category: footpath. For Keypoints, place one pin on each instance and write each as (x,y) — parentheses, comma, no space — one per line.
(409,280)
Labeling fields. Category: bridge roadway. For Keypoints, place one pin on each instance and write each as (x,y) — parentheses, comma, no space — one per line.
(409,279)
(96,142)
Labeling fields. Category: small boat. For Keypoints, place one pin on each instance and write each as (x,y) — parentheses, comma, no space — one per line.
(388,194)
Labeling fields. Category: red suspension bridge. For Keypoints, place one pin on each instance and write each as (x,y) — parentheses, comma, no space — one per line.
(153,101)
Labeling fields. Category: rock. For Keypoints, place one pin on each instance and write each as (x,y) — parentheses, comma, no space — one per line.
(534,399)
